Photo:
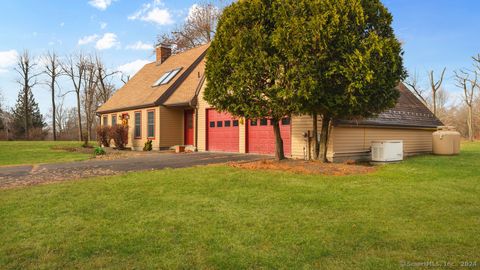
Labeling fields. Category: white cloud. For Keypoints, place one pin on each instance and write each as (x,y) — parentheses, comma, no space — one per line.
(7,60)
(154,13)
(139,45)
(133,67)
(109,40)
(191,11)
(62,24)
(100,4)
(87,39)
(103,25)
(195,8)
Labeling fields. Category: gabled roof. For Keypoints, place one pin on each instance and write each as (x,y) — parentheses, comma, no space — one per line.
(409,112)
(140,93)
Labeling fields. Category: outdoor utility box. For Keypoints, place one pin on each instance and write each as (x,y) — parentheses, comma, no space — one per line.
(446,141)
(387,151)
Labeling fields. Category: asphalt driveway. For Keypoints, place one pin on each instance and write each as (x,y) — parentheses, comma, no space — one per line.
(54,172)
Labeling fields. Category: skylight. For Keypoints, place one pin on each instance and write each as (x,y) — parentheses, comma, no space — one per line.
(167,77)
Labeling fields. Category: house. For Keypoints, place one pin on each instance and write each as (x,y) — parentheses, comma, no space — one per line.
(164,103)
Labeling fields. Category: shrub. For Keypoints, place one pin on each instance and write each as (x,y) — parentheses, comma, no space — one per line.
(38,134)
(103,136)
(119,134)
(148,146)
(98,151)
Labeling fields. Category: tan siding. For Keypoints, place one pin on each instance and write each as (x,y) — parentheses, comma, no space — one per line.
(137,144)
(202,120)
(242,148)
(300,125)
(348,140)
(414,141)
(171,127)
(353,142)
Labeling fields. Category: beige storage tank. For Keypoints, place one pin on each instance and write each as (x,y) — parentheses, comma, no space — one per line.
(446,141)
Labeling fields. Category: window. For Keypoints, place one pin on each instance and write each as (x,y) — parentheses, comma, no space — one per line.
(219,124)
(212,124)
(159,82)
(114,120)
(235,123)
(263,122)
(105,120)
(253,122)
(170,76)
(286,121)
(167,77)
(227,123)
(138,125)
(151,124)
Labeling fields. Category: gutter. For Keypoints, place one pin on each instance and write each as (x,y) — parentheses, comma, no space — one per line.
(387,126)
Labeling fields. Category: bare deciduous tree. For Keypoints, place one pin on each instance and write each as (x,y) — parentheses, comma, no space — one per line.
(89,93)
(413,82)
(5,118)
(74,68)
(61,117)
(124,78)
(468,85)
(28,79)
(53,70)
(105,87)
(435,86)
(198,29)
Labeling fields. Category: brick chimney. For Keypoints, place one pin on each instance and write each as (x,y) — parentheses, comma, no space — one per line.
(163,51)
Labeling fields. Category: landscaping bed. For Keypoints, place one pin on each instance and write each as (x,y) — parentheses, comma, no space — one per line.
(306,167)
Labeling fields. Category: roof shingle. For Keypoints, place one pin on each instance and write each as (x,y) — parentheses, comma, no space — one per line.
(138,92)
(408,112)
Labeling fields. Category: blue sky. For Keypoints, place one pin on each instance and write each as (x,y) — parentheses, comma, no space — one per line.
(435,33)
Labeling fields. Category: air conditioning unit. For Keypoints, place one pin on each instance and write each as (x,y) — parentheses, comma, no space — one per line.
(387,151)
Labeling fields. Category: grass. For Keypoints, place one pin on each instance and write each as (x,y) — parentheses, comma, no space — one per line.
(215,217)
(34,152)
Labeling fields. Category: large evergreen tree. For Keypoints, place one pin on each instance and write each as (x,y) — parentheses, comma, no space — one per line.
(26,108)
(343,57)
(245,72)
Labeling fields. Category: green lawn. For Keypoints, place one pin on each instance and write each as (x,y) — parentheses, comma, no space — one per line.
(33,152)
(424,209)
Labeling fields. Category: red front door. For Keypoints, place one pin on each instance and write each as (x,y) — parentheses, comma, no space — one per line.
(189,130)
(222,132)
(261,139)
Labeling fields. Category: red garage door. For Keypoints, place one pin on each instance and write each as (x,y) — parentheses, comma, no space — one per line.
(222,132)
(261,140)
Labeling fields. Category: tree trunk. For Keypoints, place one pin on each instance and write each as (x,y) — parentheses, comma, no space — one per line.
(434,96)
(324,136)
(279,154)
(54,112)
(79,115)
(470,123)
(25,107)
(316,144)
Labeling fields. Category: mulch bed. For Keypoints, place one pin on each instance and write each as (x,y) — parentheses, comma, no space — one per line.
(306,167)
